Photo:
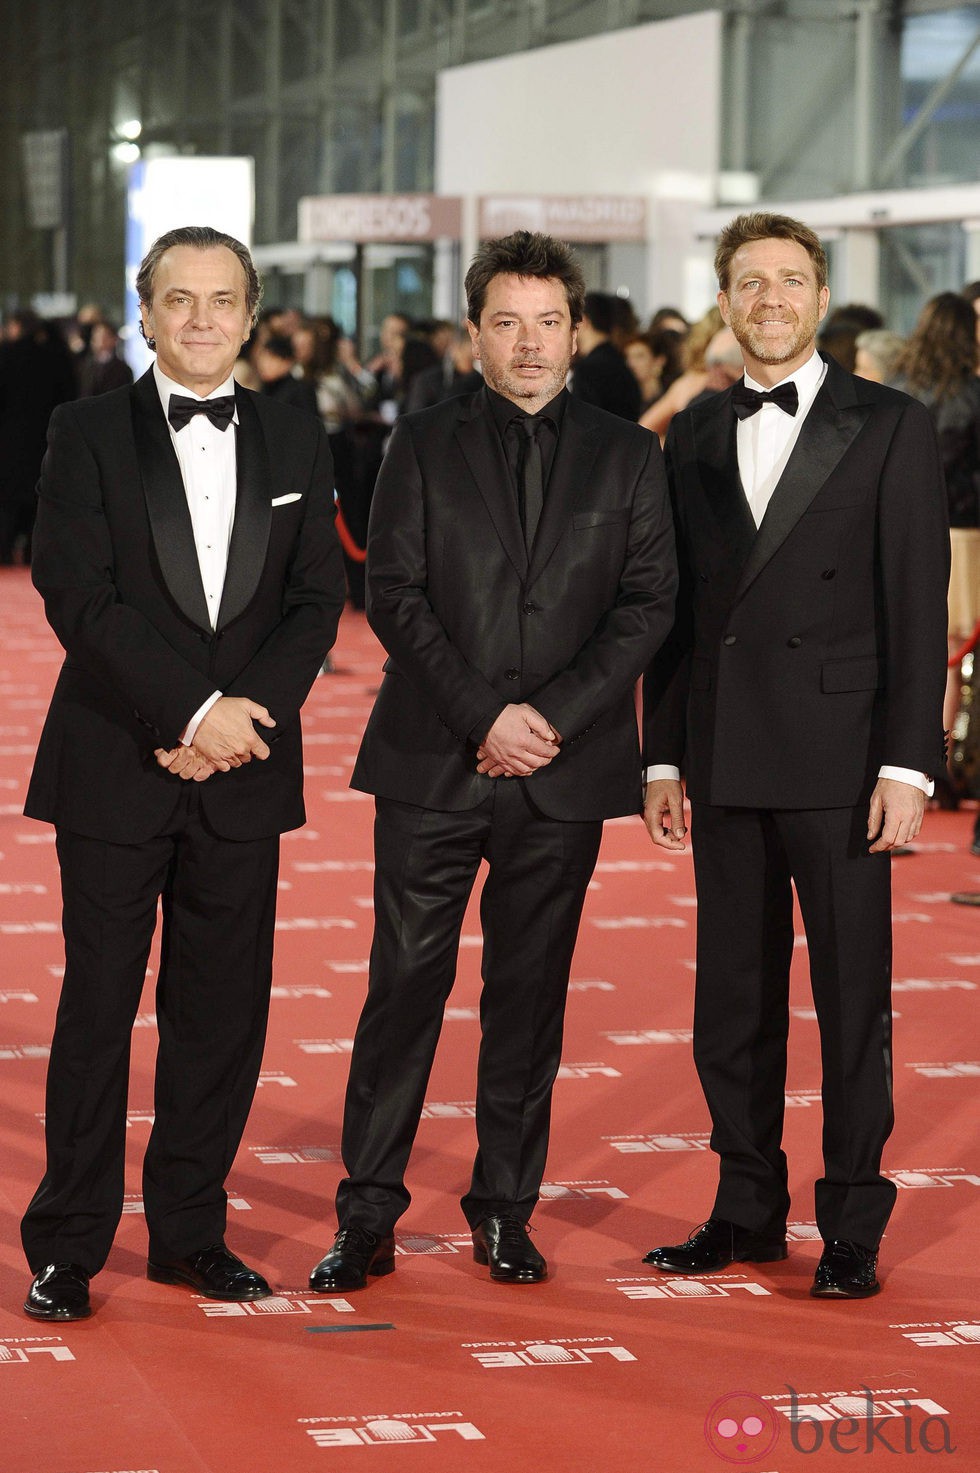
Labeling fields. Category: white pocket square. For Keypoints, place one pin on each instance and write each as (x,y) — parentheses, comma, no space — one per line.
(285,500)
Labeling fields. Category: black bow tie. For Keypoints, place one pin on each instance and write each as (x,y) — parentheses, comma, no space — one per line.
(746,401)
(182,410)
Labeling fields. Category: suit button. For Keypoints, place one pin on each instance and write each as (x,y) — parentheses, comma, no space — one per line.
(829,573)
(729,639)
(703,577)
(530,608)
(512,674)
(795,642)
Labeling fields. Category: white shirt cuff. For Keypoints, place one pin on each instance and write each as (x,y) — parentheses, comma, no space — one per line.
(661,772)
(190,730)
(910,776)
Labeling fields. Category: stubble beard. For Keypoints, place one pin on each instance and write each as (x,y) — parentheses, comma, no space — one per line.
(749,337)
(507,383)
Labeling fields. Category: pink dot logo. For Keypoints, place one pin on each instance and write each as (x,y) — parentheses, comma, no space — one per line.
(741,1428)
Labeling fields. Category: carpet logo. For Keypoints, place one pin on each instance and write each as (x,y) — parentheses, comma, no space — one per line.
(324,1045)
(564,1191)
(292,994)
(934,1333)
(448,1110)
(24,1050)
(133,1204)
(139,1117)
(276,1076)
(294,1155)
(968,1070)
(18,995)
(430,1243)
(934,1176)
(704,1287)
(630,1037)
(591,984)
(30,928)
(892,1419)
(741,1428)
(803,1232)
(638,923)
(19,1350)
(588,1071)
(315,923)
(929,984)
(802,1099)
(629,1144)
(496,1355)
(277,1304)
(385,1431)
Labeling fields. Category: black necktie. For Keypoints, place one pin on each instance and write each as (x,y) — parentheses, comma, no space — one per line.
(182,410)
(746,401)
(531,480)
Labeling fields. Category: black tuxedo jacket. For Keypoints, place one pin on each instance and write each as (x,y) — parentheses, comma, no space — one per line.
(115,562)
(470,625)
(810,652)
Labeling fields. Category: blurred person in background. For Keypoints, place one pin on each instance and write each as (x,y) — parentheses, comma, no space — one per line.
(36,374)
(670,319)
(386,365)
(102,369)
(274,363)
(939,368)
(723,365)
(625,323)
(692,381)
(418,356)
(655,359)
(971,294)
(455,375)
(600,373)
(877,354)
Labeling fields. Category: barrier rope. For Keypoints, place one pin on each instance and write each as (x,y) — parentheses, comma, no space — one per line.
(355,553)
(970,645)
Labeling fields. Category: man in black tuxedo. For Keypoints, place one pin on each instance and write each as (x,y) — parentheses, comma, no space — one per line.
(192,573)
(802,692)
(520,575)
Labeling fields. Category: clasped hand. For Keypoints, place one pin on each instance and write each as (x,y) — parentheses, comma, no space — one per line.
(519,742)
(225,738)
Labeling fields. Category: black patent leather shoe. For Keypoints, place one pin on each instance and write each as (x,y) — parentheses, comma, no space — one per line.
(355,1254)
(716,1244)
(846,1271)
(213,1272)
(59,1292)
(503,1243)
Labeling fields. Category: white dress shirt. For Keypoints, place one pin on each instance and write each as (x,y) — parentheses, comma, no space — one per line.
(208,469)
(764,443)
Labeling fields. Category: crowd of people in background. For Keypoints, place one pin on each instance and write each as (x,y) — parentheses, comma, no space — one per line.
(641,372)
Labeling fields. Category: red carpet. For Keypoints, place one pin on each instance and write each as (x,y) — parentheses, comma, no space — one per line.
(607,1366)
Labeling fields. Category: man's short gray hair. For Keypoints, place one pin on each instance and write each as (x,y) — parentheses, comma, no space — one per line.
(202,238)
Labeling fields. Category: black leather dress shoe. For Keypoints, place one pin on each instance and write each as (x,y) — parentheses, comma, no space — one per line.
(213,1272)
(59,1292)
(846,1271)
(355,1254)
(716,1244)
(503,1243)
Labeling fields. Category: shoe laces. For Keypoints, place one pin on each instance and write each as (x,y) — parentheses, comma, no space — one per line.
(358,1240)
(513,1232)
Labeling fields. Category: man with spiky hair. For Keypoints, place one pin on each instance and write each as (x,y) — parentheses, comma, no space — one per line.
(188,562)
(520,574)
(801,693)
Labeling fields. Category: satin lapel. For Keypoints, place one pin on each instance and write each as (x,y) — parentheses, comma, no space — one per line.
(717,468)
(480,443)
(166,503)
(253,512)
(833,423)
(578,446)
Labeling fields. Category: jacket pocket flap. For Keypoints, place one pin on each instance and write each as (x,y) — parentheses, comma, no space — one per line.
(862,673)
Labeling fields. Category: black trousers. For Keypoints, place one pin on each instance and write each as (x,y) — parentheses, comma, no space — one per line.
(212,1001)
(745,860)
(426,865)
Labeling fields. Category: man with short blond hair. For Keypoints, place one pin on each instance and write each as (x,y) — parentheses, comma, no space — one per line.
(802,694)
